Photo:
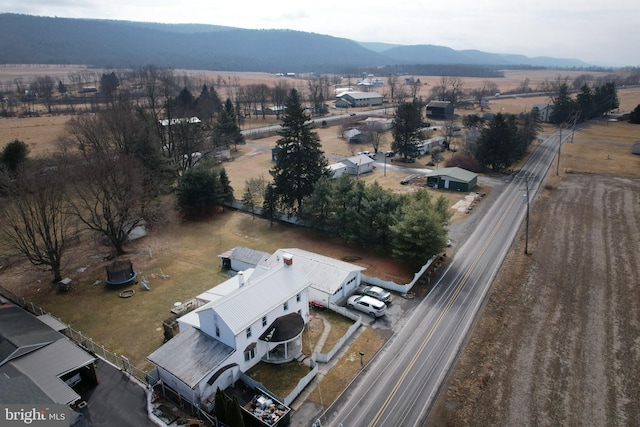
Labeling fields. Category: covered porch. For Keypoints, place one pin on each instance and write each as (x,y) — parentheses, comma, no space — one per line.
(283,339)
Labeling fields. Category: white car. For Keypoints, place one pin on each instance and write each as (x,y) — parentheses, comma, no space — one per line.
(375,292)
(367,304)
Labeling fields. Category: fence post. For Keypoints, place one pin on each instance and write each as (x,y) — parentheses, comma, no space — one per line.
(125,364)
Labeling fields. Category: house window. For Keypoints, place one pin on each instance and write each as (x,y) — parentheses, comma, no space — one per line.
(264,321)
(249,354)
(298,298)
(286,306)
(217,331)
(249,332)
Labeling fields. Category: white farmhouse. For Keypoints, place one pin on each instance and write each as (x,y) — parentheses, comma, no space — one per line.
(258,315)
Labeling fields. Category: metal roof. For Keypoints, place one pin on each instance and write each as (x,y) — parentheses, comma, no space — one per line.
(21,332)
(359,159)
(52,322)
(456,173)
(45,366)
(191,356)
(248,255)
(260,294)
(360,95)
(31,349)
(325,273)
(15,387)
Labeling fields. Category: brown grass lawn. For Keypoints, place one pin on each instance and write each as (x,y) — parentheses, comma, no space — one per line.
(604,147)
(185,252)
(369,341)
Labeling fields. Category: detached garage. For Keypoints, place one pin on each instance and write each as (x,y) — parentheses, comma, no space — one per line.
(456,179)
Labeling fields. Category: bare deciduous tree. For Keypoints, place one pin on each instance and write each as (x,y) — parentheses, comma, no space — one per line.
(109,196)
(35,221)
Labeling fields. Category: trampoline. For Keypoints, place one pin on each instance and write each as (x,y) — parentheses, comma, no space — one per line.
(120,273)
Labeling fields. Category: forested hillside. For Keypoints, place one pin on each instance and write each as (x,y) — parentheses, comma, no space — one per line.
(124,44)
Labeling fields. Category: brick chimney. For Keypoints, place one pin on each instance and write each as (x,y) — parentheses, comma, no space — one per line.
(288,259)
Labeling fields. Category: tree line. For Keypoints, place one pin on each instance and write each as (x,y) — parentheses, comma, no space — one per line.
(114,169)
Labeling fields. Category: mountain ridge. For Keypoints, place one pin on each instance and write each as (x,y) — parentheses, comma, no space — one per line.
(132,44)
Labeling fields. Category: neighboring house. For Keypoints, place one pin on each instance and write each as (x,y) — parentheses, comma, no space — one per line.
(452,179)
(179,121)
(359,164)
(270,111)
(257,315)
(358,99)
(370,82)
(425,146)
(353,136)
(440,110)
(544,112)
(378,124)
(337,169)
(38,364)
(331,280)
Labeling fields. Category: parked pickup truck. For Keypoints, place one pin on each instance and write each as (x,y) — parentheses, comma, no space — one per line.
(375,292)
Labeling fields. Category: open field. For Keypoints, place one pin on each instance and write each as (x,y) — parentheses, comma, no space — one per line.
(557,343)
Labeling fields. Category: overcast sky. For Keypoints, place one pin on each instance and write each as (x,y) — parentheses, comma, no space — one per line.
(601,33)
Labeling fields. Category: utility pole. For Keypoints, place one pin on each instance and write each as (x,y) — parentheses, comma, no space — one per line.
(559,145)
(526,195)
(526,238)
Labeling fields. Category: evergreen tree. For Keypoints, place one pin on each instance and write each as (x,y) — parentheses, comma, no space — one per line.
(225,187)
(249,201)
(318,207)
(234,414)
(62,89)
(498,143)
(528,128)
(563,107)
(13,155)
(377,214)
(270,203)
(634,117)
(208,104)
(420,232)
(199,191)
(300,161)
(341,200)
(227,131)
(586,103)
(406,123)
(220,406)
(606,98)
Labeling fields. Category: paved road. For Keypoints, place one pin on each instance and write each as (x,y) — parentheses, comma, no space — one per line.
(400,385)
